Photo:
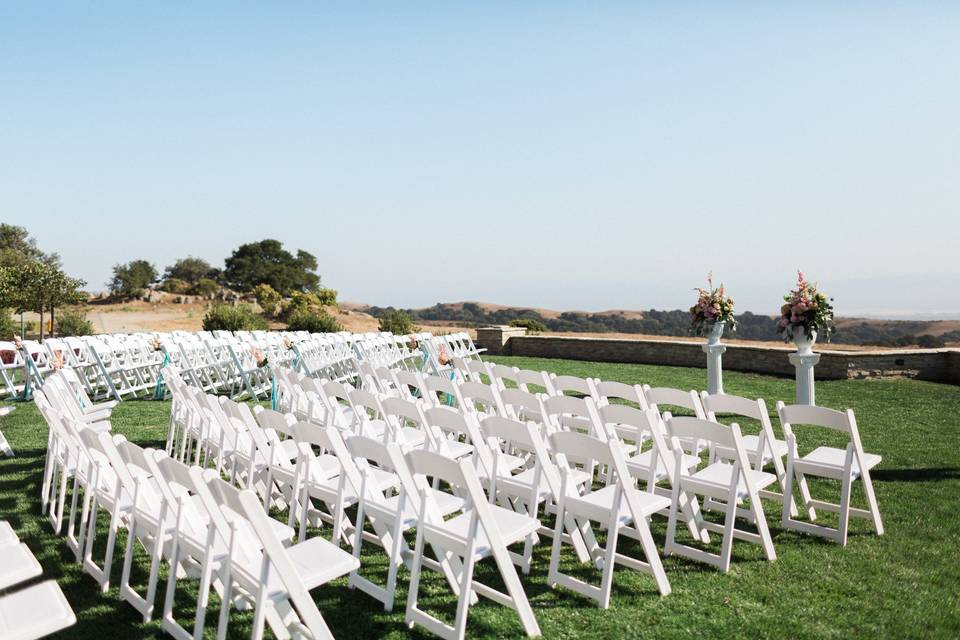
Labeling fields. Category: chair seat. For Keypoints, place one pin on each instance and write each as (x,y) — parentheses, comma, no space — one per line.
(639,465)
(833,459)
(512,527)
(413,437)
(318,561)
(456,449)
(714,481)
(446,503)
(751,444)
(18,612)
(505,462)
(523,481)
(597,505)
(18,565)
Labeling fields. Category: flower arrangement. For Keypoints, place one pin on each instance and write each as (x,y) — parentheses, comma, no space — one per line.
(57,360)
(288,344)
(259,357)
(155,344)
(807,310)
(443,357)
(713,305)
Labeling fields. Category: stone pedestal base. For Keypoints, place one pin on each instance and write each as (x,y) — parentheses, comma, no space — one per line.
(804,364)
(714,367)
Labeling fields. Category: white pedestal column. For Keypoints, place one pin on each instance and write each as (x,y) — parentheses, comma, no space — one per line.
(714,367)
(804,363)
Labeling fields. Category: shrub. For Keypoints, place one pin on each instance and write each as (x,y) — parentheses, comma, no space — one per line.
(313,322)
(205,287)
(268,298)
(928,341)
(73,322)
(530,324)
(326,297)
(397,322)
(174,285)
(223,317)
(300,302)
(8,327)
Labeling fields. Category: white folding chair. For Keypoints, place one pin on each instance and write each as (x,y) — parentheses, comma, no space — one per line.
(392,516)
(618,506)
(279,578)
(846,465)
(763,448)
(730,483)
(482,530)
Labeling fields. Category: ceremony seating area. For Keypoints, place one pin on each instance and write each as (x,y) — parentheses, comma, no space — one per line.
(440,460)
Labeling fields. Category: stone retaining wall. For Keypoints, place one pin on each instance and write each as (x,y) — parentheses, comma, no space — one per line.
(941,365)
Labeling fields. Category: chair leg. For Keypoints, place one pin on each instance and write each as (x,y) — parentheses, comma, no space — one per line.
(729,522)
(760,521)
(609,560)
(463,604)
(414,588)
(872,502)
(555,546)
(845,487)
(653,557)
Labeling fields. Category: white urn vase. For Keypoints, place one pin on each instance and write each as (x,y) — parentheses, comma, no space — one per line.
(804,344)
(715,332)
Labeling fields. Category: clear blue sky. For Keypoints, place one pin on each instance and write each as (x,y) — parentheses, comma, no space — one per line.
(568,155)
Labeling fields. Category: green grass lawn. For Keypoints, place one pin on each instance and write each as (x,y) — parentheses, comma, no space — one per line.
(903,584)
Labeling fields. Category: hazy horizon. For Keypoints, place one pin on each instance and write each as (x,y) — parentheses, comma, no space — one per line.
(571,157)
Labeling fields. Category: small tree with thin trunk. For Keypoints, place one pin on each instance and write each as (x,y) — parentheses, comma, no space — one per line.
(39,287)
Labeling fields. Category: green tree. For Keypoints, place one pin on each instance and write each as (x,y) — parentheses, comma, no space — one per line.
(397,322)
(268,262)
(8,327)
(39,287)
(17,248)
(129,280)
(191,270)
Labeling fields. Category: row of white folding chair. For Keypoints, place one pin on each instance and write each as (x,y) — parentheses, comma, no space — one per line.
(718,465)
(103,465)
(763,449)
(576,413)
(236,549)
(392,493)
(18,609)
(523,482)
(122,365)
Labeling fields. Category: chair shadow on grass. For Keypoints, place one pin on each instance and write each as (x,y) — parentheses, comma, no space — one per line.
(915,475)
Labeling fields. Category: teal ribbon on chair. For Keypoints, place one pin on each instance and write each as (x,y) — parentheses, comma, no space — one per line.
(159,392)
(449,399)
(273,392)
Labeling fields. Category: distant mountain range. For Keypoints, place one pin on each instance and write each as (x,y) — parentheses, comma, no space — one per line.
(859,331)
